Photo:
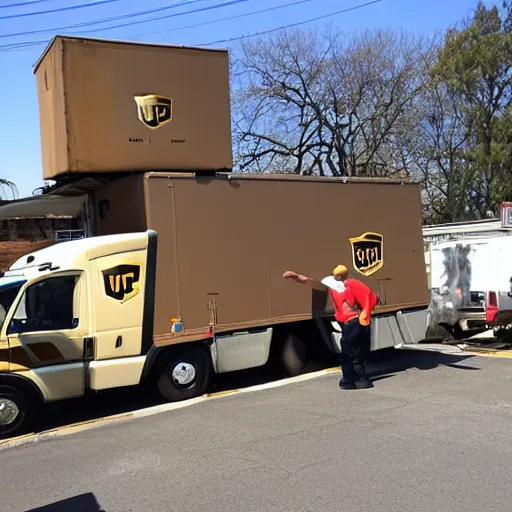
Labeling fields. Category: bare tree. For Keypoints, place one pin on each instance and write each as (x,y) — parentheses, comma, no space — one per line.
(439,148)
(8,189)
(326,103)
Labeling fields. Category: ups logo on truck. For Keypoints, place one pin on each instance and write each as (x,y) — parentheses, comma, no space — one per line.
(154,111)
(367,253)
(122,282)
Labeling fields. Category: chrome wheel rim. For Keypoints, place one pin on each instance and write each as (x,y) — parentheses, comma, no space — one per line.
(9,411)
(183,374)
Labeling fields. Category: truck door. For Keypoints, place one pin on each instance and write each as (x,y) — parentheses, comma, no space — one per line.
(46,334)
(118,290)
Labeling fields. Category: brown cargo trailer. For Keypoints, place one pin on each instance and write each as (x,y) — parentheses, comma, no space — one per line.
(108,106)
(224,243)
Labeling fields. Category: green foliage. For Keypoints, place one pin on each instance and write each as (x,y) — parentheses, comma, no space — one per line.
(475,64)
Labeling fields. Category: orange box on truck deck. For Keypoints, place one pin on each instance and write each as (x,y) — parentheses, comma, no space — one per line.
(224,243)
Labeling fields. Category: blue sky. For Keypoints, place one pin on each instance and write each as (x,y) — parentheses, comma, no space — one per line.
(20,159)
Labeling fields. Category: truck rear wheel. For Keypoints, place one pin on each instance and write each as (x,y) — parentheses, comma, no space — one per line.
(294,355)
(13,411)
(186,375)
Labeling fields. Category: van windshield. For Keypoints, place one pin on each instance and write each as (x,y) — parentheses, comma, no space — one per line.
(9,288)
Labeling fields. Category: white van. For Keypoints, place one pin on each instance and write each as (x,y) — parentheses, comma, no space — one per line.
(471,284)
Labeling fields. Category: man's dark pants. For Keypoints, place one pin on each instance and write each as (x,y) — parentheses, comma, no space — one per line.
(355,349)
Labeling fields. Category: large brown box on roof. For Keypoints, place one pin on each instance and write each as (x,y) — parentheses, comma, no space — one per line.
(229,239)
(108,106)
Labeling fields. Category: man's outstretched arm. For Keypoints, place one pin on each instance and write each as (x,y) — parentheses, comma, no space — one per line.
(303,279)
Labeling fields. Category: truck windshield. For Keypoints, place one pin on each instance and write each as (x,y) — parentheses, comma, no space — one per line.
(9,288)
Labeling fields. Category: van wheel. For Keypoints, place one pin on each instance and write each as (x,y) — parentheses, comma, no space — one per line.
(186,376)
(13,411)
(294,355)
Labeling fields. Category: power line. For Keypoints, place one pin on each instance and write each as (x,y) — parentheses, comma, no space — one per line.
(180,3)
(59,9)
(122,17)
(21,46)
(291,25)
(138,22)
(23,4)
(28,44)
(229,18)
(105,20)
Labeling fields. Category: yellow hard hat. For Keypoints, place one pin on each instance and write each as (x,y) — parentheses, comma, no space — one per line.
(340,270)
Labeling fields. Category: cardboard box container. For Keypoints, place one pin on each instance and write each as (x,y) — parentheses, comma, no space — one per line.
(227,240)
(108,106)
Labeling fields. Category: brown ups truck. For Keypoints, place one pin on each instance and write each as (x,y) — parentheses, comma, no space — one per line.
(184,279)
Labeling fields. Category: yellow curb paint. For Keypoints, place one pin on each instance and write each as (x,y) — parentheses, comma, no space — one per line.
(77,424)
(500,354)
(24,436)
(223,393)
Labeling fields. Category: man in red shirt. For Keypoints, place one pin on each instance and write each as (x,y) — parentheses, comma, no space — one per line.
(353,303)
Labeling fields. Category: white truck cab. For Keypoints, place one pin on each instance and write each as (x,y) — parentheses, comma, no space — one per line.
(71,317)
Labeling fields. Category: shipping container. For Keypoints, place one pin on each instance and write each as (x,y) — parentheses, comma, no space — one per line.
(111,106)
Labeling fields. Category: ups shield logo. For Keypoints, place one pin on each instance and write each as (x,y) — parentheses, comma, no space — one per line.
(367,253)
(154,111)
(122,282)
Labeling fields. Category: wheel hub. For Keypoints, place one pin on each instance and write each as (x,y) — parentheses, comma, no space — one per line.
(183,374)
(8,411)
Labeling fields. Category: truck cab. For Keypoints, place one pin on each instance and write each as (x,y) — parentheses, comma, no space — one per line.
(71,318)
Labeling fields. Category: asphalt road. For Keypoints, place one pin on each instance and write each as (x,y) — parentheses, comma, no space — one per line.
(122,400)
(434,434)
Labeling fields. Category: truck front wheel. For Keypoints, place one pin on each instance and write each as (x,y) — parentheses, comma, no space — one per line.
(13,410)
(186,375)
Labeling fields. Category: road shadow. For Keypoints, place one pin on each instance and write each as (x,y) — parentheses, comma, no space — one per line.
(82,503)
(388,363)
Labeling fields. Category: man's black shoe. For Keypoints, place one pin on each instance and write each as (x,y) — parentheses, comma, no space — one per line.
(347,385)
(364,384)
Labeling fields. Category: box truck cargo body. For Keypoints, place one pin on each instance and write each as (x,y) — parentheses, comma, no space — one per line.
(184,279)
(229,239)
(109,106)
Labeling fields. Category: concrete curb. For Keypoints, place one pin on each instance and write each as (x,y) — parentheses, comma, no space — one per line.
(461,349)
(67,430)
(436,347)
